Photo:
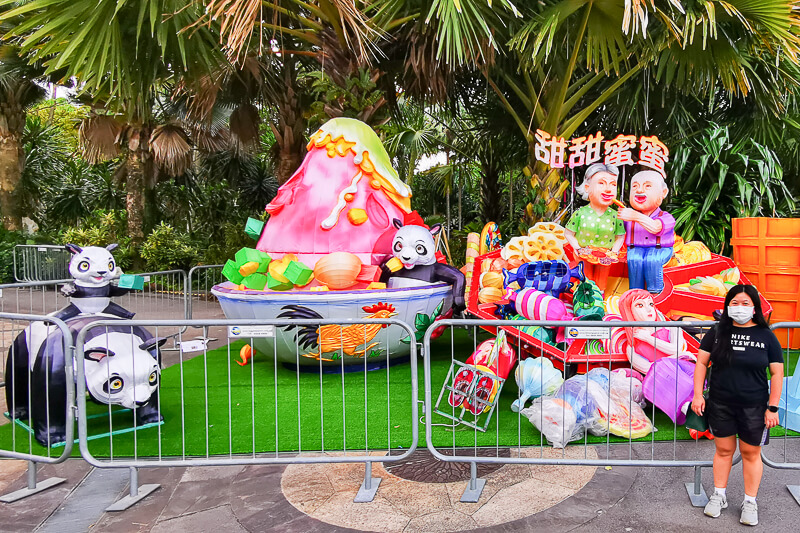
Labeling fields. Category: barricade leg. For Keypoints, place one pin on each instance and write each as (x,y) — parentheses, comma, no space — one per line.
(33,487)
(794,490)
(135,493)
(697,494)
(475,486)
(366,493)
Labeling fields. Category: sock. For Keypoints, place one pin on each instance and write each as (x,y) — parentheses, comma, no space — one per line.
(720,491)
(749,498)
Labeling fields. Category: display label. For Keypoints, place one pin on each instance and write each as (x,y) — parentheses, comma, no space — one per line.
(587,333)
(193,346)
(251,331)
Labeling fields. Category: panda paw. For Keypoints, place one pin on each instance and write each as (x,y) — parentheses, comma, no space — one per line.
(148,417)
(19,413)
(52,435)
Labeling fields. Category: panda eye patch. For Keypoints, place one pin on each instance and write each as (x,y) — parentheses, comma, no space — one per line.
(153,378)
(421,250)
(83,266)
(111,266)
(398,246)
(113,385)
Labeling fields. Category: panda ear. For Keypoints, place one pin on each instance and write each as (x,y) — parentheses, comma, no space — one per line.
(153,342)
(74,249)
(97,354)
(435,229)
(397,223)
(112,247)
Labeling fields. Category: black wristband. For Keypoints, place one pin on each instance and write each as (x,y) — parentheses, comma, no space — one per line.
(772,408)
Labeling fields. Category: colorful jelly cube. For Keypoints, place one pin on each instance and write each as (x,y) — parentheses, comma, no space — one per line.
(246,255)
(231,272)
(278,285)
(254,228)
(255,282)
(131,281)
(298,273)
(249,268)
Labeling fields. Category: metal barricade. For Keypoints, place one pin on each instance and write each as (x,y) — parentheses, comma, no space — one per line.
(463,436)
(201,303)
(274,409)
(39,396)
(40,262)
(783,453)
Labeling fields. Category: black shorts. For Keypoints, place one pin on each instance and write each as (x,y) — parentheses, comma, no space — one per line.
(726,420)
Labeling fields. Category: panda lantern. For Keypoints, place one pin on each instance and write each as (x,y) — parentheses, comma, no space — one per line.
(122,363)
(414,262)
(93,268)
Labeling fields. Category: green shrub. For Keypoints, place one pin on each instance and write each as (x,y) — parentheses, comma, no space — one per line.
(168,249)
(8,239)
(101,229)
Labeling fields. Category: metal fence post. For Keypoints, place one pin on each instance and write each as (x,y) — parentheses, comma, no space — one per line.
(366,493)
(135,492)
(33,487)
(475,486)
(697,494)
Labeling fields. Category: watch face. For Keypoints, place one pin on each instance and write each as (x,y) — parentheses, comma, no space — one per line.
(773,408)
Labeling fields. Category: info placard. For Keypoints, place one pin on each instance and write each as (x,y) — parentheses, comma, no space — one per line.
(251,331)
(586,333)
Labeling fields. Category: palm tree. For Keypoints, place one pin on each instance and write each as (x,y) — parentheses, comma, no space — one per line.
(121,53)
(568,58)
(18,91)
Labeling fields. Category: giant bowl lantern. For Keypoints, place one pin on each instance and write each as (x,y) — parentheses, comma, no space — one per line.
(343,198)
(333,222)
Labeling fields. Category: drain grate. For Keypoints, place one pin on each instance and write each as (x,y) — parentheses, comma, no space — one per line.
(422,467)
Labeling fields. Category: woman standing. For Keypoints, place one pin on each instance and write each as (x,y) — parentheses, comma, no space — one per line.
(739,348)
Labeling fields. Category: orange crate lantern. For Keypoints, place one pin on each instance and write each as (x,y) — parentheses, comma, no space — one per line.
(767,250)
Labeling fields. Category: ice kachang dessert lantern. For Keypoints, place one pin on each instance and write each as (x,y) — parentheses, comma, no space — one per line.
(319,256)
(343,198)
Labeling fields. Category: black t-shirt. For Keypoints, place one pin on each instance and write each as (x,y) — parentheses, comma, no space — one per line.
(744,381)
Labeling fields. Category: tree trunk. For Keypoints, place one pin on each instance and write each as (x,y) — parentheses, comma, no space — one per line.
(134,195)
(460,194)
(289,130)
(490,192)
(12,163)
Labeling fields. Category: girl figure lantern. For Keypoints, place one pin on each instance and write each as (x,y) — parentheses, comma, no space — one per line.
(646,345)
(597,225)
(661,354)
(649,232)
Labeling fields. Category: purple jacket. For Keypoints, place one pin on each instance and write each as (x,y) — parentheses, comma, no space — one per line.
(637,236)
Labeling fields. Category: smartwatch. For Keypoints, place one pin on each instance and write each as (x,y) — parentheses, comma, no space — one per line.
(772,408)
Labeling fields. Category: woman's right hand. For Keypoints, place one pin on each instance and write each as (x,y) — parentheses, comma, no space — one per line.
(698,405)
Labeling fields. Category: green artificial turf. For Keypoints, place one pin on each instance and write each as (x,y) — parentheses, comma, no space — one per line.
(335,413)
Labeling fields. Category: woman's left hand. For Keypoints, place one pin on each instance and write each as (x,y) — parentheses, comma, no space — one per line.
(771,419)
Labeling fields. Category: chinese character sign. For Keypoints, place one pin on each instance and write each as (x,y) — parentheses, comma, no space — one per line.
(583,151)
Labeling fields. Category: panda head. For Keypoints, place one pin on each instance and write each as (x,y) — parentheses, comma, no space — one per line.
(414,245)
(92,265)
(121,369)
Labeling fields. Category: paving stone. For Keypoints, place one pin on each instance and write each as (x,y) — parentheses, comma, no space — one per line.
(27,514)
(219,519)
(378,515)
(445,521)
(143,516)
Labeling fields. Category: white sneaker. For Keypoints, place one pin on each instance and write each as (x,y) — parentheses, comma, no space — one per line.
(716,503)
(749,513)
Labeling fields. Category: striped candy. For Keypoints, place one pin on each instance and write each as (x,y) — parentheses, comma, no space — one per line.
(536,305)
(617,341)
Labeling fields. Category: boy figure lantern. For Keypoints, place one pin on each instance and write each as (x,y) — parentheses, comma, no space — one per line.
(649,231)
(596,224)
